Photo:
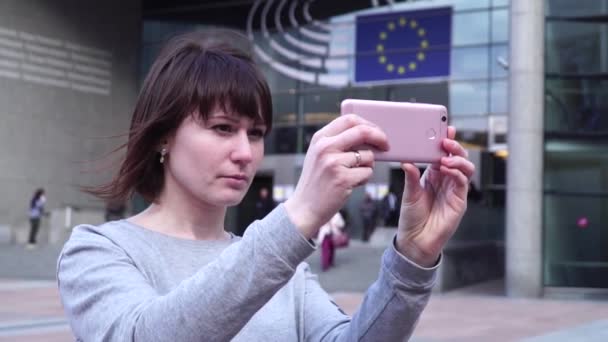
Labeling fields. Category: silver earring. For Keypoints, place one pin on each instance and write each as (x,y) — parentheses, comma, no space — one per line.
(163,152)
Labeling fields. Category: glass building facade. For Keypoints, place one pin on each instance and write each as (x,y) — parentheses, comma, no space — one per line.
(576,144)
(575,226)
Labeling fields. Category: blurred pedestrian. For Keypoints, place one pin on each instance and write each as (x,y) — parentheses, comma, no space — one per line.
(390,205)
(35,213)
(330,235)
(173,272)
(368,211)
(264,204)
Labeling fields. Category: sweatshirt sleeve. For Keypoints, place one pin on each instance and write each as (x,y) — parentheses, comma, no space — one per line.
(389,311)
(106,298)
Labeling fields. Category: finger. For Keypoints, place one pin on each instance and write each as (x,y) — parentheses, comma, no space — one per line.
(357,176)
(341,124)
(451,132)
(453,147)
(349,159)
(412,179)
(457,162)
(455,174)
(360,135)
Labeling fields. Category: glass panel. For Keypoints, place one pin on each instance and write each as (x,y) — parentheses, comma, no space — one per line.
(575,239)
(470,62)
(469,97)
(500,25)
(470,28)
(499,97)
(321,108)
(283,137)
(576,167)
(151,31)
(470,4)
(576,47)
(576,8)
(422,92)
(500,54)
(498,3)
(576,105)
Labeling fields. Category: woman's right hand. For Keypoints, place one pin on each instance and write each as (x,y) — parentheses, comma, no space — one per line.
(330,173)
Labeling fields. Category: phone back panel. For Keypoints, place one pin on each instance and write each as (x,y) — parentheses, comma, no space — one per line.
(414,130)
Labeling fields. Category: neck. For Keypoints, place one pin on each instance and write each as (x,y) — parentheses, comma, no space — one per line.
(180,215)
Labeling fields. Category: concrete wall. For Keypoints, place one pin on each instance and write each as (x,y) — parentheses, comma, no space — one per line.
(68,80)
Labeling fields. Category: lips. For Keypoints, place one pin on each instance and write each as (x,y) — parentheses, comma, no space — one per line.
(239,177)
(236,181)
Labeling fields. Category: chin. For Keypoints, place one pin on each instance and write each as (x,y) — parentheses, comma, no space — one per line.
(231,199)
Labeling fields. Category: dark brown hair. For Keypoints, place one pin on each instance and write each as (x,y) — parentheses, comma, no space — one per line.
(194,74)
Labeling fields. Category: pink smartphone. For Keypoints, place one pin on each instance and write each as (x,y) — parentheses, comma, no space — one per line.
(414,130)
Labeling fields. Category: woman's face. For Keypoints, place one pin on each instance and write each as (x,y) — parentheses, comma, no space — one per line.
(214,161)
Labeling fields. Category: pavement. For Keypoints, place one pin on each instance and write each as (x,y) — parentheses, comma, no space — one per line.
(31,311)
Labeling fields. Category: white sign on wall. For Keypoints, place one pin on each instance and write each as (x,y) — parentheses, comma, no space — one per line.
(48,61)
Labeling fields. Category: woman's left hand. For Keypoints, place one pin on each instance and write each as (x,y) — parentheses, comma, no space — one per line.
(433,204)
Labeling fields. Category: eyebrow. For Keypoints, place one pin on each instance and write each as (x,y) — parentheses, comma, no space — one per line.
(224,116)
(235,119)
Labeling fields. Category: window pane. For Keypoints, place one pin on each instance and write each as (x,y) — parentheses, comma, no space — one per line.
(499,97)
(575,239)
(470,62)
(283,138)
(470,28)
(576,167)
(500,25)
(576,47)
(469,98)
(470,4)
(498,3)
(576,8)
(321,108)
(151,31)
(421,92)
(577,105)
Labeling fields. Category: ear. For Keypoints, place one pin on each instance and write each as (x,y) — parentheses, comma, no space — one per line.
(164,143)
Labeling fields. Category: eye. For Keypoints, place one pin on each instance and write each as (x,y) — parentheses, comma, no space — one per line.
(257,132)
(223,128)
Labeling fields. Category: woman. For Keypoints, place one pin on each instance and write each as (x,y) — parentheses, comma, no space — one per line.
(36,211)
(330,230)
(172,272)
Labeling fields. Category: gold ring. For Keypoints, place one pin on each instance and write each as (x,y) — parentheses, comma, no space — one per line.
(357,158)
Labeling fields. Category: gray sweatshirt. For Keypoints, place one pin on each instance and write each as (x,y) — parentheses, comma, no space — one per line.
(121,282)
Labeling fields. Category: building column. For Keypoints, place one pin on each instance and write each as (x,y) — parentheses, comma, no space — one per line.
(524,211)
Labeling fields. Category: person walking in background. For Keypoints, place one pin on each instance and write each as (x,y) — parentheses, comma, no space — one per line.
(368,211)
(264,204)
(35,213)
(328,234)
(391,209)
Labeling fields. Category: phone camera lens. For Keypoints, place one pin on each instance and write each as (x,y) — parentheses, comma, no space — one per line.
(444,119)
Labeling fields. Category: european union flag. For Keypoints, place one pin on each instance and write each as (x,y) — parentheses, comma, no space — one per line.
(403,45)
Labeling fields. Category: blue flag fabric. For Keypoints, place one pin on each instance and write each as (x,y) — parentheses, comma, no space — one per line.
(403,45)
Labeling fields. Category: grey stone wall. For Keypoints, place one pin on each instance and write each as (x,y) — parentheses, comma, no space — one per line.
(68,81)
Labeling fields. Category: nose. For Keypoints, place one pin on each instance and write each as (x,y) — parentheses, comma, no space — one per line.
(242,152)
